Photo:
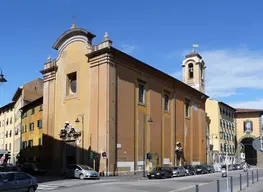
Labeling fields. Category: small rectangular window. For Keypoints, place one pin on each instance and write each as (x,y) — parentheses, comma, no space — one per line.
(32,111)
(9,146)
(166,102)
(71,83)
(39,124)
(39,141)
(30,143)
(24,145)
(31,128)
(41,107)
(187,108)
(142,93)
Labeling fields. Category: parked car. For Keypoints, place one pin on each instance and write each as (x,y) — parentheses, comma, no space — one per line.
(81,172)
(17,181)
(179,171)
(200,169)
(190,170)
(33,169)
(235,167)
(160,173)
(238,166)
(210,168)
(8,168)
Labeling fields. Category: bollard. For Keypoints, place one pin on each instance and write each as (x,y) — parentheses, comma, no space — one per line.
(231,184)
(252,177)
(218,187)
(257,175)
(240,182)
(247,180)
(196,188)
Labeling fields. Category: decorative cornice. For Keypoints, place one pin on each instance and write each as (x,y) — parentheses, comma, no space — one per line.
(71,33)
(50,69)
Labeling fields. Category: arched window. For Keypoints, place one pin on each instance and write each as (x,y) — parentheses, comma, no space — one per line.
(248,126)
(202,71)
(191,70)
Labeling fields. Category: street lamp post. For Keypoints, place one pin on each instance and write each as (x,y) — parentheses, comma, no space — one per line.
(2,79)
(212,136)
(82,133)
(144,145)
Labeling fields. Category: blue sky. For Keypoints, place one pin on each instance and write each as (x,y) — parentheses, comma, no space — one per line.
(229,34)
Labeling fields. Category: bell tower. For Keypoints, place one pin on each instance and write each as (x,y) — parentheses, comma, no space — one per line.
(194,70)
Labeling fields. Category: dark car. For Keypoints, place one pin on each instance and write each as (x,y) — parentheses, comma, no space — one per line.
(17,181)
(210,168)
(190,170)
(160,173)
(239,167)
(234,166)
(8,168)
(33,169)
(201,169)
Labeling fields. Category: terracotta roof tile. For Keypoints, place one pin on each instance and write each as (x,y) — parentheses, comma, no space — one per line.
(242,110)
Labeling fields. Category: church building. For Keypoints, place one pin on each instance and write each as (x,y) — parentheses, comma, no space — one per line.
(107,109)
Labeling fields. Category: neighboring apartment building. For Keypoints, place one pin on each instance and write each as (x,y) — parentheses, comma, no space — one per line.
(32,130)
(7,129)
(24,95)
(249,125)
(115,97)
(222,134)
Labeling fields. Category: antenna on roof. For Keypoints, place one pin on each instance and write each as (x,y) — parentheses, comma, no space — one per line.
(195,46)
(74,21)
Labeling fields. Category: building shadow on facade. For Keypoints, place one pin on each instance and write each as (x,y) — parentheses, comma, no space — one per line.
(46,157)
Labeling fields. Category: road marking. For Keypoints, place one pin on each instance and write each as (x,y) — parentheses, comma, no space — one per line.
(185,188)
(47,187)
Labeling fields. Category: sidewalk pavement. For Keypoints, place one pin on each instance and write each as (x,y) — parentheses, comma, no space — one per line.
(256,187)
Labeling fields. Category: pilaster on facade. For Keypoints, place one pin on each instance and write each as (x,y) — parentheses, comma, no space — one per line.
(49,72)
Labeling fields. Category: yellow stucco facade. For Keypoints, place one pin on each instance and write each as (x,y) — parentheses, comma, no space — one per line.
(248,122)
(7,129)
(32,124)
(242,118)
(222,133)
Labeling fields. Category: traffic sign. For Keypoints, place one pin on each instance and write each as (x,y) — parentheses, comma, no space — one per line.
(257,144)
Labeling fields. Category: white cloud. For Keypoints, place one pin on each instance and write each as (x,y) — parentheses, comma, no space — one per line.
(256,104)
(128,48)
(229,70)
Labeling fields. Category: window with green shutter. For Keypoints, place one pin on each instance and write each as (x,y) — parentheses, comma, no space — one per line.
(31,126)
(39,124)
(39,141)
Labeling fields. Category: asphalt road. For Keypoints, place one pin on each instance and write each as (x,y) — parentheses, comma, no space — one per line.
(206,183)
